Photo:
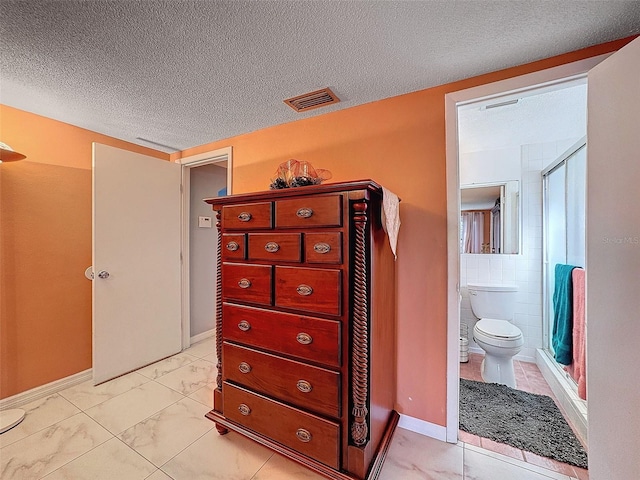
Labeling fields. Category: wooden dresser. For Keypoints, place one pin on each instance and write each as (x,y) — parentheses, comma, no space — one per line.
(305,325)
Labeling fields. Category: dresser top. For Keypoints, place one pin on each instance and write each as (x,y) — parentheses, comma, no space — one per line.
(368,185)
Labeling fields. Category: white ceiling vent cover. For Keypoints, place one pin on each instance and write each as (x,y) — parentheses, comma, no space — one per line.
(312,100)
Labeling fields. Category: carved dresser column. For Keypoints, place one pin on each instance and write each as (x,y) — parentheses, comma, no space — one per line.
(360,344)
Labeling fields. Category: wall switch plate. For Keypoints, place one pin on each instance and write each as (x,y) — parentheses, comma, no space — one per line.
(204,222)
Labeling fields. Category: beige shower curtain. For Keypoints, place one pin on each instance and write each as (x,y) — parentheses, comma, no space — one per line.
(472,232)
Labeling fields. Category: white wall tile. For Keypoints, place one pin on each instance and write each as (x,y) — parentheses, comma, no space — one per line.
(495,275)
(522,275)
(509,275)
(550,150)
(535,151)
(483,263)
(472,275)
(472,260)
(536,164)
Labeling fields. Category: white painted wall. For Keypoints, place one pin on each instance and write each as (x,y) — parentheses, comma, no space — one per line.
(205,182)
(613,266)
(494,165)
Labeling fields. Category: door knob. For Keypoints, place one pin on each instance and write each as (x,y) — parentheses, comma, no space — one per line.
(103,274)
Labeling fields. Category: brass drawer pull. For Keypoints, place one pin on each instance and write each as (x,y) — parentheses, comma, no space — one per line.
(322,247)
(303,435)
(304,212)
(244,325)
(244,283)
(244,217)
(272,247)
(304,338)
(244,409)
(304,290)
(233,246)
(304,386)
(244,367)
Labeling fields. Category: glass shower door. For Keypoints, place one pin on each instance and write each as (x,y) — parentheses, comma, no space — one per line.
(564,227)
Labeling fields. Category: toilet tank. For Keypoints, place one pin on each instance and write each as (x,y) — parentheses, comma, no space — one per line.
(493,300)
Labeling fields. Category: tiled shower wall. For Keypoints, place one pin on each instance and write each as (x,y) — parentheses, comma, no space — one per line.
(525,269)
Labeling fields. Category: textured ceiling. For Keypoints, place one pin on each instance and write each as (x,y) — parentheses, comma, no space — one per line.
(185,73)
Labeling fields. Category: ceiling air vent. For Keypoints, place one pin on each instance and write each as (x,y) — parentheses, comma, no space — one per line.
(312,100)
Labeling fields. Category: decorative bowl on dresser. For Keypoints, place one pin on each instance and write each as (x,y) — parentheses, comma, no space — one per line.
(305,325)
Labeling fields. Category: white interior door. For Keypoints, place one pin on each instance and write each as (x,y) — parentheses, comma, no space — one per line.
(136,247)
(613,265)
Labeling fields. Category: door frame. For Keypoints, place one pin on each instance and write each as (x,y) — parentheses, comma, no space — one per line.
(488,91)
(214,156)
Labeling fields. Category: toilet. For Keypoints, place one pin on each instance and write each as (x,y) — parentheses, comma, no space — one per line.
(494,305)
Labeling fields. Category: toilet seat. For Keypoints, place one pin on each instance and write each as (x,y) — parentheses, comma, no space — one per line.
(500,333)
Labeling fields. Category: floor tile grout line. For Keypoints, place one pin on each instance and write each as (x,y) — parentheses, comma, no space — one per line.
(48,426)
(103,401)
(83,412)
(82,454)
(531,467)
(524,458)
(144,419)
(116,436)
(165,373)
(197,439)
(262,466)
(53,425)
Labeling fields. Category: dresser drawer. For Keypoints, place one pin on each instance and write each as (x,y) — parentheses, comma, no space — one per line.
(308,434)
(312,388)
(323,247)
(249,216)
(278,247)
(233,246)
(247,283)
(309,212)
(309,289)
(307,338)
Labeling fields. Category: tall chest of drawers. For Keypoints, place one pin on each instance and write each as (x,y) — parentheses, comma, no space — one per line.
(305,325)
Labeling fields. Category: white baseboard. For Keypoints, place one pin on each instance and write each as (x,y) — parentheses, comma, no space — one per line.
(203,335)
(422,427)
(42,391)
(476,350)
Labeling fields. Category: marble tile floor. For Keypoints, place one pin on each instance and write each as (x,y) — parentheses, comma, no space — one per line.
(529,379)
(150,425)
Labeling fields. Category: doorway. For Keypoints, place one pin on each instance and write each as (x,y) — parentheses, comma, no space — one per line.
(487,92)
(504,145)
(203,176)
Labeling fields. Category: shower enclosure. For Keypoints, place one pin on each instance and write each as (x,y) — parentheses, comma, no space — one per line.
(564,242)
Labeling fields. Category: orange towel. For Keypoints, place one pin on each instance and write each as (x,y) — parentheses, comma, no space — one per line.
(578,369)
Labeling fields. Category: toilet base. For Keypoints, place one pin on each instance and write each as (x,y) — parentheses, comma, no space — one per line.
(498,370)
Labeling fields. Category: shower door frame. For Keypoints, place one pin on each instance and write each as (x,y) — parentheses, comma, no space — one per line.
(546,297)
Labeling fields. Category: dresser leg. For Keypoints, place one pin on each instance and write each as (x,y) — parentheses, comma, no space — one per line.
(222,430)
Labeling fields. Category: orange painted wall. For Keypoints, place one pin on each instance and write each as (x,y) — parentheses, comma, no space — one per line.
(45,224)
(399,142)
(45,246)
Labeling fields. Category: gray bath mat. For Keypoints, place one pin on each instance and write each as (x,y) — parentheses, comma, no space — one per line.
(523,420)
